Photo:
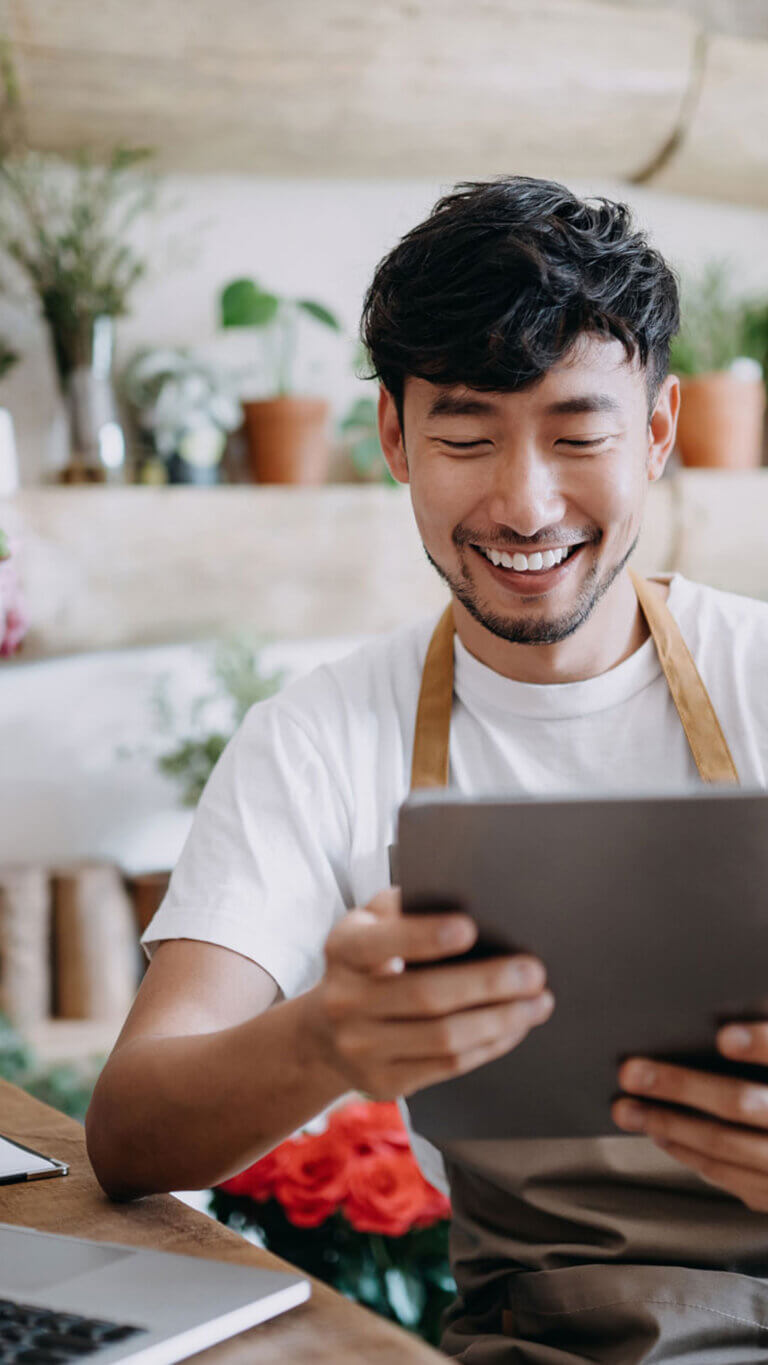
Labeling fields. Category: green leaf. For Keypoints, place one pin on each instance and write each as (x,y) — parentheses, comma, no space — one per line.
(4,549)
(244,304)
(362,413)
(366,454)
(319,313)
(406,1294)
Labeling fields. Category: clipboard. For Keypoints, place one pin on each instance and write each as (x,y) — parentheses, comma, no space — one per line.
(650,914)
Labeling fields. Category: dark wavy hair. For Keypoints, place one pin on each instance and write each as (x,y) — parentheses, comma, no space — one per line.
(495,286)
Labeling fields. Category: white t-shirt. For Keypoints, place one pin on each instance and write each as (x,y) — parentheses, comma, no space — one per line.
(295,823)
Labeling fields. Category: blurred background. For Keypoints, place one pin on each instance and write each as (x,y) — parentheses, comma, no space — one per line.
(193,504)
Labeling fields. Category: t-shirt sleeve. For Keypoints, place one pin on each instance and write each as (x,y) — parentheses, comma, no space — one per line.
(264,868)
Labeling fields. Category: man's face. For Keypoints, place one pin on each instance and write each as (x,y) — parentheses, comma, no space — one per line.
(530,503)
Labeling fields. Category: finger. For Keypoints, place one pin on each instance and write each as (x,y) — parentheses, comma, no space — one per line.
(724,1096)
(392,967)
(385,904)
(426,992)
(748,1042)
(405,1078)
(365,940)
(723,1142)
(450,1035)
(748,1186)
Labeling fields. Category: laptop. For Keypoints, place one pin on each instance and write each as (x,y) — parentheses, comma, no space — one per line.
(649,913)
(64,1299)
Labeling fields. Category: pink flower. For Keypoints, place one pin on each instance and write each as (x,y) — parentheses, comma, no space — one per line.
(13,618)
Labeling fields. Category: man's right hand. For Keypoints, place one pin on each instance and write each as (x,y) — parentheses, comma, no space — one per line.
(389,1031)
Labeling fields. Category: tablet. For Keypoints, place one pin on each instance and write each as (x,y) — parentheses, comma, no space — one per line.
(650,913)
(22,1163)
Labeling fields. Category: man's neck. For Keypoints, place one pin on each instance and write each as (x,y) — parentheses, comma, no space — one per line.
(614,631)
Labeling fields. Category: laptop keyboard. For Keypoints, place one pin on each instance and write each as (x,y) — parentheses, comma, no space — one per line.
(41,1336)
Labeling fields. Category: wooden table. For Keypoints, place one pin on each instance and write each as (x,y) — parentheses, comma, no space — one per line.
(326,1329)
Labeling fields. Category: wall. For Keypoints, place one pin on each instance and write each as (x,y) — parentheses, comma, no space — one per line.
(317,238)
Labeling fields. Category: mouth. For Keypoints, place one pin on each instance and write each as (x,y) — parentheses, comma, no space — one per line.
(529,574)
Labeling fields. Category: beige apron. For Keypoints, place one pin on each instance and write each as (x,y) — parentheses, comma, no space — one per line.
(601,1249)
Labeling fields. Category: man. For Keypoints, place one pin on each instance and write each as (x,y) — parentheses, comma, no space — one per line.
(521,337)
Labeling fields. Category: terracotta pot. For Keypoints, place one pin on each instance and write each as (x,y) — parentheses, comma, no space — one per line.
(288,439)
(721,421)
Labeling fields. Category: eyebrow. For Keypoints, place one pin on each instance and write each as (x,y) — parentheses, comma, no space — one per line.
(454,405)
(586,402)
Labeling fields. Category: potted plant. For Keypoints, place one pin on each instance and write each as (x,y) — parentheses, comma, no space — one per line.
(720,354)
(184,406)
(359,431)
(66,230)
(287,433)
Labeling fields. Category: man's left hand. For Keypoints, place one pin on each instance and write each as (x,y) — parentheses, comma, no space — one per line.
(726,1139)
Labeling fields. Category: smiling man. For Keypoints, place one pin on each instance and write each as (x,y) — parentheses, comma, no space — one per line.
(521,338)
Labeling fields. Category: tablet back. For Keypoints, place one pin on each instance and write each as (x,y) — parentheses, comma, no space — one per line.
(650,914)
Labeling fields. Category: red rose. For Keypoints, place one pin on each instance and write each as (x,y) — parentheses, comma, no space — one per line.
(311,1179)
(386,1193)
(434,1207)
(369,1126)
(257,1181)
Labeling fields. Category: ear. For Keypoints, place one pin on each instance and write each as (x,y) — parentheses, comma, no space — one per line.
(391,437)
(662,427)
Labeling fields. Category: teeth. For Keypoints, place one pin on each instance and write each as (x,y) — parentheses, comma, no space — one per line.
(528,563)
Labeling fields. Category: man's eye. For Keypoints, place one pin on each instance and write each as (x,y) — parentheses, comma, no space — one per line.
(593,441)
(462,445)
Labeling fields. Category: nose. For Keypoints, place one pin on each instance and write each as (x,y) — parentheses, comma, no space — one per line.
(526,495)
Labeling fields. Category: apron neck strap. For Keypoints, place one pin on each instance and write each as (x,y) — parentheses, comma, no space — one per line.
(431,743)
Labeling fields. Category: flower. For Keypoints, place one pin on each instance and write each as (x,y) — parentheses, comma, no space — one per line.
(360,1163)
(13,618)
(355,1187)
(369,1126)
(257,1182)
(386,1193)
(311,1178)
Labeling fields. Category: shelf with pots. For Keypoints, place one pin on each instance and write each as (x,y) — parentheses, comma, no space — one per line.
(720,354)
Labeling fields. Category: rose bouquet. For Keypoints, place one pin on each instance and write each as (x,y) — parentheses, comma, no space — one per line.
(350,1206)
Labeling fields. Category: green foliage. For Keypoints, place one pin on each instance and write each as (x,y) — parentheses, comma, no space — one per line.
(360,427)
(191,764)
(16,1062)
(405,1279)
(243,303)
(239,681)
(717,326)
(8,358)
(320,313)
(66,228)
(67,1087)
(4,547)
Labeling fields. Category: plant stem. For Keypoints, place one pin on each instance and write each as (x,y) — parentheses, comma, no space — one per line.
(287,345)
